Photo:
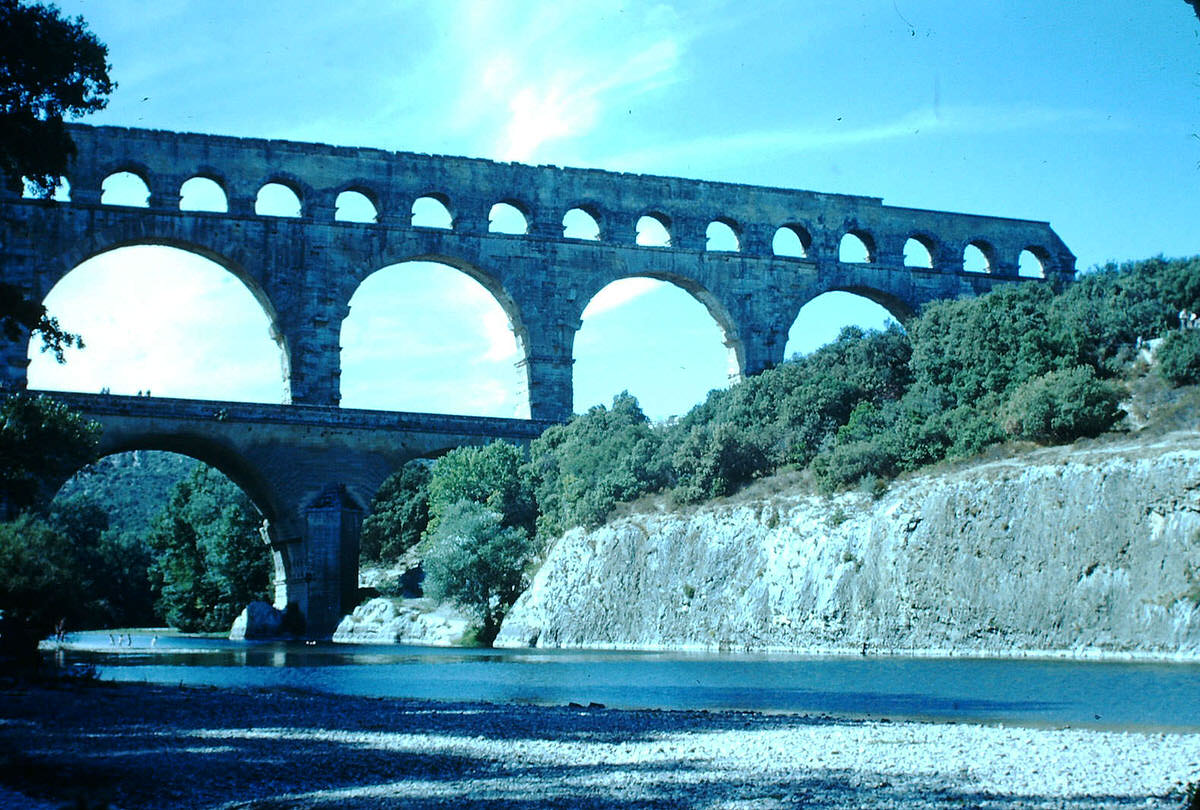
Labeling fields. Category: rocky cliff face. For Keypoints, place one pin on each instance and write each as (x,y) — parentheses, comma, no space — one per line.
(1082,550)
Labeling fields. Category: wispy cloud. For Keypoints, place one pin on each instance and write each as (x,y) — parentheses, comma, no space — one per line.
(556,72)
(927,122)
(618,294)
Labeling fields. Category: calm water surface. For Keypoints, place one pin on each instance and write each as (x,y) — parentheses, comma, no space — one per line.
(1019,691)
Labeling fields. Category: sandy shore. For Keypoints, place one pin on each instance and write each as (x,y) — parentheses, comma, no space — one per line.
(136,746)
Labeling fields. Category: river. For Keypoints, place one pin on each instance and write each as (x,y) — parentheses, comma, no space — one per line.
(1024,691)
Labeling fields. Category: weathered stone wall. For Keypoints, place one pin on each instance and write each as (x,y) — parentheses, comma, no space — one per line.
(1094,551)
(304,270)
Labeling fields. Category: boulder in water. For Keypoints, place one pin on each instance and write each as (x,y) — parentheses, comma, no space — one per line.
(259,620)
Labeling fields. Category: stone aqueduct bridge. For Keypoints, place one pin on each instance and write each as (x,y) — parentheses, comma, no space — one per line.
(309,469)
(303,271)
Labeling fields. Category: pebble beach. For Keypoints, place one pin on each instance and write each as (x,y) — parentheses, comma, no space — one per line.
(143,746)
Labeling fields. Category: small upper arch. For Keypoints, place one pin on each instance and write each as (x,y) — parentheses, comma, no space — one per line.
(127,185)
(792,240)
(582,221)
(653,230)
(509,216)
(920,250)
(280,196)
(203,192)
(432,210)
(979,256)
(857,246)
(723,234)
(356,202)
(1033,261)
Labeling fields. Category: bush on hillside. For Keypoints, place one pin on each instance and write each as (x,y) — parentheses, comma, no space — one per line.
(579,471)
(1179,357)
(1061,406)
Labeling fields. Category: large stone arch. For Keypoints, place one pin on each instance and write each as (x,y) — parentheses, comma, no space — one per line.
(69,256)
(899,308)
(717,309)
(491,282)
(60,263)
(256,486)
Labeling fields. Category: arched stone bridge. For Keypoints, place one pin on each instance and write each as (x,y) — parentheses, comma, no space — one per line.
(312,467)
(304,270)
(310,470)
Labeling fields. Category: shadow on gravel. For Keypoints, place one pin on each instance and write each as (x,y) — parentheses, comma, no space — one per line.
(151,747)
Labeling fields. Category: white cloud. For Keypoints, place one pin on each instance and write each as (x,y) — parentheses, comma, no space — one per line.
(618,294)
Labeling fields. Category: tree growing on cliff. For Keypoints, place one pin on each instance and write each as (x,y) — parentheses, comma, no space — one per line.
(478,563)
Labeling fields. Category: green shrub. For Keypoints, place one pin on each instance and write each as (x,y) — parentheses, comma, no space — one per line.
(1179,357)
(490,476)
(579,471)
(1062,406)
(853,462)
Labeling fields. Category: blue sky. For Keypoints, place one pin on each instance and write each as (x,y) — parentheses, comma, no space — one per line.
(1081,114)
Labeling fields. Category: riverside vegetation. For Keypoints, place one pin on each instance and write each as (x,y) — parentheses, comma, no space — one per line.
(1022,363)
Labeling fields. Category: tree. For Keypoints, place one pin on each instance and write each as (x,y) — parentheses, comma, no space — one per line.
(42,442)
(39,585)
(478,563)
(490,476)
(209,558)
(580,470)
(1062,406)
(399,514)
(51,67)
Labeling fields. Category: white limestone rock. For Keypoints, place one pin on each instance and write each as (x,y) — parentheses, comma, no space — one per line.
(402,621)
(1091,550)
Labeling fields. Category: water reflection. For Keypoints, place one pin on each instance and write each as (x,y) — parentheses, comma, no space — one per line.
(1103,694)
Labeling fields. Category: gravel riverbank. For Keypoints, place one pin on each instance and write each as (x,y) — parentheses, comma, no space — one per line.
(137,746)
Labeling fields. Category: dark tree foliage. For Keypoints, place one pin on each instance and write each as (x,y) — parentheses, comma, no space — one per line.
(39,586)
(209,557)
(20,317)
(1179,357)
(399,514)
(490,476)
(478,563)
(51,68)
(579,471)
(114,581)
(42,443)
